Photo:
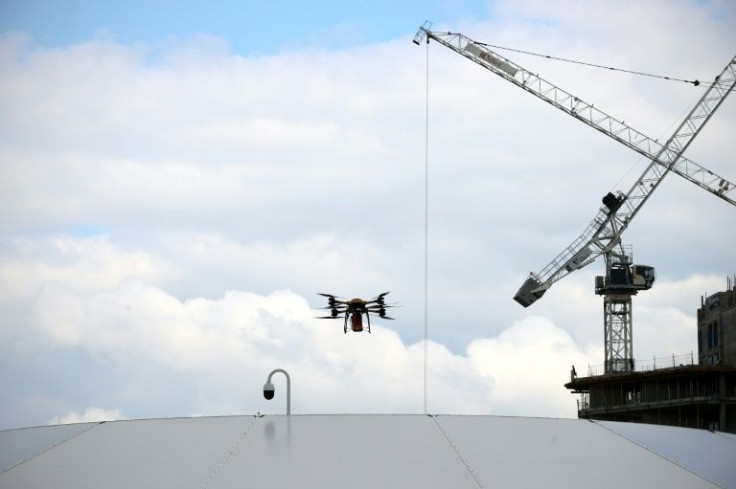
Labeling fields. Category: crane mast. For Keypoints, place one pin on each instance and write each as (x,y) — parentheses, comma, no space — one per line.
(603,234)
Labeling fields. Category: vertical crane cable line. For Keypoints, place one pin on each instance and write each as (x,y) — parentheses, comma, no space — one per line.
(426,226)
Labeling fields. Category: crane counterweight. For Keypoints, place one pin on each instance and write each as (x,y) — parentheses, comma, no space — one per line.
(530,291)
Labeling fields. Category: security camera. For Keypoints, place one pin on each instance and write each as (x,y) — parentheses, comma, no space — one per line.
(268,390)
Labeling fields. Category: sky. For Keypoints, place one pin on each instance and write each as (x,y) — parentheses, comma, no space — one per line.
(179,181)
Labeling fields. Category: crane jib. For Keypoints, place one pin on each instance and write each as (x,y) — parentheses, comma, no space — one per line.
(604,232)
(674,160)
(490,59)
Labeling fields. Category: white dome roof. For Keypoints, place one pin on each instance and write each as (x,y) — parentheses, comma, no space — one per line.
(357,451)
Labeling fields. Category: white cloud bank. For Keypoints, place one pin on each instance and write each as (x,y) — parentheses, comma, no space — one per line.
(227,346)
(211,356)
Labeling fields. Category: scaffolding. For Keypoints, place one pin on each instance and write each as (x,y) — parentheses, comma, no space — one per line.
(690,395)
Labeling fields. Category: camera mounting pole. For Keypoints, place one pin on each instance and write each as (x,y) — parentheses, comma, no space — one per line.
(268,388)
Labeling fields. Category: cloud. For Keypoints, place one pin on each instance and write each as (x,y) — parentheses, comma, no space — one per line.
(212,355)
(82,263)
(528,364)
(666,316)
(171,214)
(91,415)
(242,335)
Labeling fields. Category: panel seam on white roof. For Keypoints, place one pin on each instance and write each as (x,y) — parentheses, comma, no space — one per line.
(727,436)
(455,449)
(51,447)
(229,453)
(656,453)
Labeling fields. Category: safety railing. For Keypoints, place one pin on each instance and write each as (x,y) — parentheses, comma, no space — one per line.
(655,363)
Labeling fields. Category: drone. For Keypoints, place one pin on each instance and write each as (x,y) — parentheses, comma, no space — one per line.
(355,308)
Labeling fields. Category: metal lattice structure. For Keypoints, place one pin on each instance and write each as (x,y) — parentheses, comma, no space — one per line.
(618,322)
(618,333)
(604,232)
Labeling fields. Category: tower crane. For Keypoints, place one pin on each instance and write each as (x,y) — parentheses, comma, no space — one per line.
(603,234)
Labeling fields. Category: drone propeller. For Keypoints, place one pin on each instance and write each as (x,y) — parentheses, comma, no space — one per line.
(381,313)
(335,311)
(331,299)
(381,296)
(380,310)
(378,299)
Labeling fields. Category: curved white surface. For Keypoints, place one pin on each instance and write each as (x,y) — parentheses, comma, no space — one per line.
(364,451)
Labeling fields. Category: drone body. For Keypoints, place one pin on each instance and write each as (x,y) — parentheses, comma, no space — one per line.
(354,309)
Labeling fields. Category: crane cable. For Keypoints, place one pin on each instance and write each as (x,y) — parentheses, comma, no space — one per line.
(426,231)
(662,77)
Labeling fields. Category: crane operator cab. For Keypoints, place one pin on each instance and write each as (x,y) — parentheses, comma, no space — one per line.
(623,277)
(642,276)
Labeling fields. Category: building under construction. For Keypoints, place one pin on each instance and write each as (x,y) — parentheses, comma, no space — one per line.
(677,391)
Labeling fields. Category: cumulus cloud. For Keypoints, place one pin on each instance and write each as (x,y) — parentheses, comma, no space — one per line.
(232,341)
(528,363)
(212,354)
